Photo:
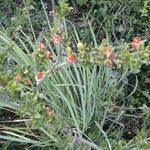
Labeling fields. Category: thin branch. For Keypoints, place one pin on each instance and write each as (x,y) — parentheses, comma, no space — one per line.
(109,145)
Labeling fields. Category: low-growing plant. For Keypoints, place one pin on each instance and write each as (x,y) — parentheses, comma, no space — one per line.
(65,94)
(118,20)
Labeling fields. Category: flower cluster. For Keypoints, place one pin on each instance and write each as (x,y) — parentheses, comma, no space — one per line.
(41,46)
(42,54)
(23,77)
(40,75)
(25,81)
(136,41)
(110,56)
(71,58)
(48,55)
(103,55)
(43,51)
(56,39)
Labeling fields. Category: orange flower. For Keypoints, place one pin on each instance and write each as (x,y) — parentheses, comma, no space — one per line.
(110,62)
(56,39)
(41,45)
(27,81)
(48,54)
(17,78)
(71,58)
(40,74)
(137,39)
(110,55)
(135,42)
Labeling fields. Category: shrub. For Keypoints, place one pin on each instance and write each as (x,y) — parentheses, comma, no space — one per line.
(67,96)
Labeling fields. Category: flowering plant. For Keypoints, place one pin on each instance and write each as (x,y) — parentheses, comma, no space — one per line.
(52,80)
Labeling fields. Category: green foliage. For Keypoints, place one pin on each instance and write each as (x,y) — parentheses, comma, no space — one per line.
(116,19)
(75,104)
(63,9)
(146,8)
(81,2)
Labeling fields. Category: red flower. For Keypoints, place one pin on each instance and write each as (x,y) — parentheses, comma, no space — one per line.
(71,58)
(41,46)
(40,74)
(48,54)
(27,81)
(17,78)
(135,42)
(56,39)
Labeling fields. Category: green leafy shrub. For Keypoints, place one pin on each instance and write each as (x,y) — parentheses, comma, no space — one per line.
(67,96)
(118,20)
